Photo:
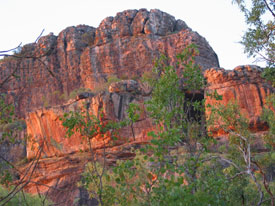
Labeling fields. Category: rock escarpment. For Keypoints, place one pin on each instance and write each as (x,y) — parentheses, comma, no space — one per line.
(243,85)
(125,45)
(85,57)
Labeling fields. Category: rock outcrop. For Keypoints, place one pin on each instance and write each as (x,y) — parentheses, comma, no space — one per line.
(123,46)
(45,126)
(243,85)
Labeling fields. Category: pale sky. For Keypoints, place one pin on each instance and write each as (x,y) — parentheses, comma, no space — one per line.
(220,22)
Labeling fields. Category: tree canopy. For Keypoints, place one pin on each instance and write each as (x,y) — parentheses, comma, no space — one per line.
(259,38)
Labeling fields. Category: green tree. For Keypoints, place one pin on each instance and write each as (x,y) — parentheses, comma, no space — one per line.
(242,158)
(170,170)
(10,126)
(89,126)
(259,38)
(180,165)
(22,198)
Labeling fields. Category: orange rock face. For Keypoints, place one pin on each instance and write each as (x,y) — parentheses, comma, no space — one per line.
(45,125)
(125,45)
(57,177)
(84,57)
(63,158)
(244,86)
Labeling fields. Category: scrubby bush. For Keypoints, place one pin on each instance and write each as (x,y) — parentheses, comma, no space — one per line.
(21,198)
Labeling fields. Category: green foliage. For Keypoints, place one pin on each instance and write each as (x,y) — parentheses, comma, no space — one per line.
(269,118)
(6,111)
(105,86)
(258,42)
(81,122)
(90,126)
(9,128)
(121,185)
(133,112)
(88,38)
(133,115)
(156,176)
(23,199)
(9,124)
(269,75)
(259,38)
(252,166)
(95,181)
(178,167)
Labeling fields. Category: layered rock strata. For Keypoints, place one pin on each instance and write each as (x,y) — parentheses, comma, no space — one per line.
(125,45)
(243,85)
(45,126)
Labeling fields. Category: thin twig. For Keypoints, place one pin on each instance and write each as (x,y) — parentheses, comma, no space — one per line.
(39,36)
(11,49)
(268,7)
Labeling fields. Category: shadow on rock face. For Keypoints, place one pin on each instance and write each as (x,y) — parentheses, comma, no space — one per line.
(84,199)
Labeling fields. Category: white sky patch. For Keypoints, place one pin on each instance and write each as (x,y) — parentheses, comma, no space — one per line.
(220,22)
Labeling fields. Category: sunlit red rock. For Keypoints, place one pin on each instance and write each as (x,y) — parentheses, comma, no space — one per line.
(124,46)
(82,56)
(45,126)
(243,85)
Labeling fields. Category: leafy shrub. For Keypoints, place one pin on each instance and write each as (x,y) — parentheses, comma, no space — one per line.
(105,86)
(88,38)
(22,198)
(178,167)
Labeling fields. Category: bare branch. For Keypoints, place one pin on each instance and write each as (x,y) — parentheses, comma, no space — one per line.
(268,7)
(10,49)
(39,36)
(23,194)
(22,181)
(223,159)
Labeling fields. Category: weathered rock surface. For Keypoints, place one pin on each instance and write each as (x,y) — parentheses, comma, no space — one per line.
(82,56)
(44,125)
(62,159)
(58,177)
(244,85)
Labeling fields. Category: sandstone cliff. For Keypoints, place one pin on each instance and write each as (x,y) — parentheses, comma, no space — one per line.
(124,46)
(45,124)
(244,85)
